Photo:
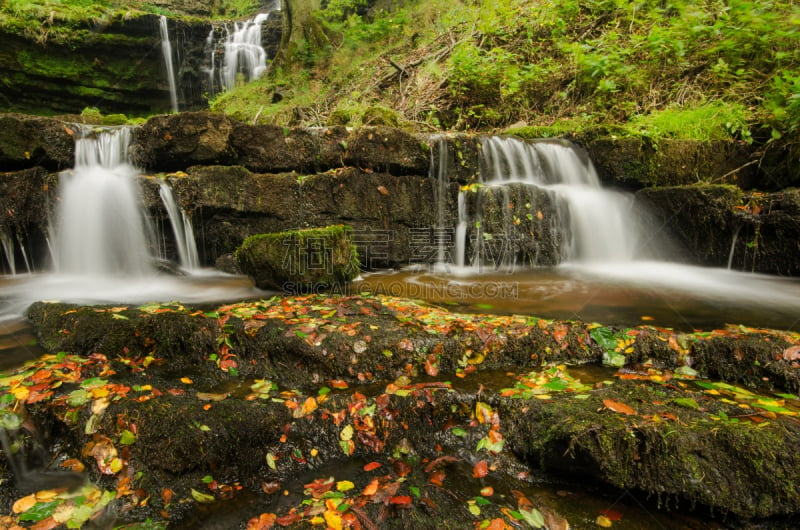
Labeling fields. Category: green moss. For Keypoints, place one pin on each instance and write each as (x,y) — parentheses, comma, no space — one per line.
(300,260)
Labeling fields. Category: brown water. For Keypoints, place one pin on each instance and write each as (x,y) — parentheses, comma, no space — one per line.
(661,294)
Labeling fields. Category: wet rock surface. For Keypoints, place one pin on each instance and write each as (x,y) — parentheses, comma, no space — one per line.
(402,413)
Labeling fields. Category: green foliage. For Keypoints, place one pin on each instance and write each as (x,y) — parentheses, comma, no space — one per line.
(711,121)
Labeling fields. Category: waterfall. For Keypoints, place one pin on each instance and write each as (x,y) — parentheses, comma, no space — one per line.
(181,228)
(8,249)
(100,227)
(243,52)
(541,203)
(166,49)
(237,50)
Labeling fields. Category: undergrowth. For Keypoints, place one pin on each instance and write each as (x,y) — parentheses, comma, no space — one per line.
(688,69)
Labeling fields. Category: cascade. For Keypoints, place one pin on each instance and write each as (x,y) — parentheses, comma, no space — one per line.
(543,201)
(8,249)
(243,52)
(181,228)
(733,246)
(100,228)
(240,53)
(166,49)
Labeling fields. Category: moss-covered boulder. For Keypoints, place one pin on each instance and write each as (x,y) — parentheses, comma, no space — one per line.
(300,260)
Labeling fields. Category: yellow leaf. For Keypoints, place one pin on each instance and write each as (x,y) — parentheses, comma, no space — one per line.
(20,392)
(24,504)
(186,381)
(46,495)
(116,465)
(344,485)
(347,432)
(603,521)
(333,519)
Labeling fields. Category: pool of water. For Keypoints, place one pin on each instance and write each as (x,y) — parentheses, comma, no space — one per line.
(627,294)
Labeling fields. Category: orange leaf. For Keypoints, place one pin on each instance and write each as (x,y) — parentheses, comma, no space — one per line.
(383,190)
(371,488)
(616,406)
(372,466)
(497,524)
(481,469)
(488,491)
(262,522)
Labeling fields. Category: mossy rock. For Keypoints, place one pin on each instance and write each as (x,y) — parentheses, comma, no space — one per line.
(300,260)
(378,115)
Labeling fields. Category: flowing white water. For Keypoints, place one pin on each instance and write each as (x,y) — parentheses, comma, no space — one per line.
(599,225)
(101,229)
(181,228)
(101,240)
(7,243)
(166,50)
(243,52)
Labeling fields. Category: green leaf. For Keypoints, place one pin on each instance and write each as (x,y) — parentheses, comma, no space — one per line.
(604,337)
(687,403)
(126,437)
(533,517)
(203,498)
(458,431)
(271,461)
(39,511)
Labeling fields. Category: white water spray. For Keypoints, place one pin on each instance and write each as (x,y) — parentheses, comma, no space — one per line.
(243,52)
(101,229)
(181,228)
(166,50)
(7,243)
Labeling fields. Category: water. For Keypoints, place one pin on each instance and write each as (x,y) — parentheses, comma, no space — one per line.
(663,294)
(7,243)
(181,228)
(240,58)
(243,52)
(102,242)
(166,49)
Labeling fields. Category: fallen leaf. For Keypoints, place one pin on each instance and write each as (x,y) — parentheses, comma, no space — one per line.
(372,466)
(616,406)
(791,354)
(383,190)
(262,522)
(481,469)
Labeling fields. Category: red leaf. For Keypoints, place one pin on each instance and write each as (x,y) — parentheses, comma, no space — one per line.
(481,469)
(401,468)
(372,466)
(616,406)
(437,477)
(289,519)
(400,500)
(614,515)
(440,462)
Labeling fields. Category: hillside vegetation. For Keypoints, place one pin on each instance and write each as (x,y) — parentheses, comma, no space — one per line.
(706,69)
(678,68)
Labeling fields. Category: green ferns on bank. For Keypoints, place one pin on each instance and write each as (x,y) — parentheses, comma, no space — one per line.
(480,65)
